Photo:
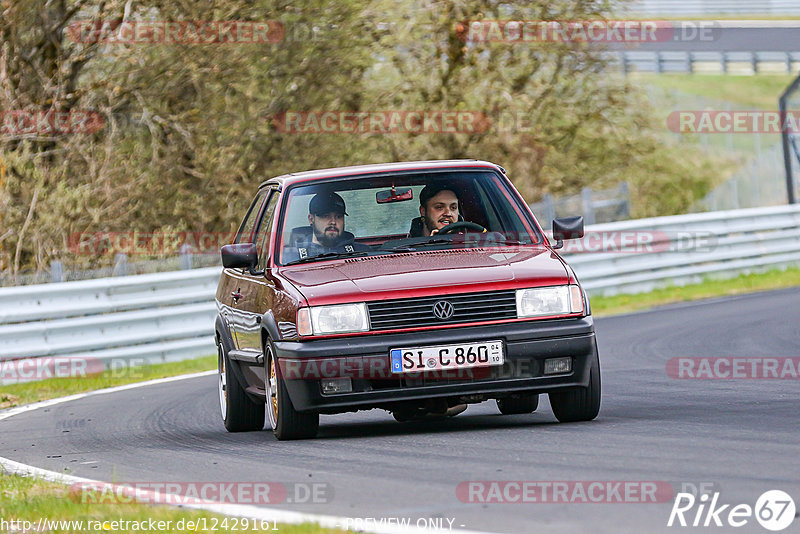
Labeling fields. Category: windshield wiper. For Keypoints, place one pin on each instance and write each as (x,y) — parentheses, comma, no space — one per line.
(505,241)
(411,247)
(329,256)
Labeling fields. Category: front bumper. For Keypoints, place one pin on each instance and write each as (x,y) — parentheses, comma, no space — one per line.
(527,345)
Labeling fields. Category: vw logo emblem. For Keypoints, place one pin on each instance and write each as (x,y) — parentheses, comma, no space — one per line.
(443,310)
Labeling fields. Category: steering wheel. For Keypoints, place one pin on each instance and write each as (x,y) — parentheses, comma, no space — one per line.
(461,225)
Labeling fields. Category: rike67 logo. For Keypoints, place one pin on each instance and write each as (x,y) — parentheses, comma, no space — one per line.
(774,510)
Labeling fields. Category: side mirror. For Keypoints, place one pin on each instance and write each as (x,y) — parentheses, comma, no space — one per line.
(240,256)
(567,228)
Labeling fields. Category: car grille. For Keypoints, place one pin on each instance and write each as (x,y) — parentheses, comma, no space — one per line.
(467,308)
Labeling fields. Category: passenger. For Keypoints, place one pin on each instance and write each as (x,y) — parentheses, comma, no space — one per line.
(325,232)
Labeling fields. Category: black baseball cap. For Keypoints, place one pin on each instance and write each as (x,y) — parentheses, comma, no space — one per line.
(323,203)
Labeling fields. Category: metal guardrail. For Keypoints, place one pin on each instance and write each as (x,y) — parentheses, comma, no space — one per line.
(148,318)
(684,249)
(706,62)
(170,316)
(715,7)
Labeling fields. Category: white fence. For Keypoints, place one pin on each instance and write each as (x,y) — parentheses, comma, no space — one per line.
(715,7)
(683,249)
(707,62)
(170,316)
(148,318)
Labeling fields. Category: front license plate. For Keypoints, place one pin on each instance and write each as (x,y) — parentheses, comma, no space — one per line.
(458,356)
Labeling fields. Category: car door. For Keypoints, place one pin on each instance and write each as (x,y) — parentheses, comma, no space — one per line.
(258,290)
(229,291)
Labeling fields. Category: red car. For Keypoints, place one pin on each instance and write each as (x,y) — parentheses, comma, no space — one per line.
(415,287)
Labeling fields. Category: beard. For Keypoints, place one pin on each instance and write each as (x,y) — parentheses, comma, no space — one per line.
(432,224)
(326,238)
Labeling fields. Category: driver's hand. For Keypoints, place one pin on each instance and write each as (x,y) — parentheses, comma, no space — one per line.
(435,231)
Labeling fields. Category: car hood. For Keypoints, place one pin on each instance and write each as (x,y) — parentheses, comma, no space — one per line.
(425,273)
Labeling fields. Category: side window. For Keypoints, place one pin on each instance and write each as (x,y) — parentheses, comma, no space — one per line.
(249,223)
(265,229)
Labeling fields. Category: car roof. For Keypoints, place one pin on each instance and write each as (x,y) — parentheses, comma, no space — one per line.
(402,166)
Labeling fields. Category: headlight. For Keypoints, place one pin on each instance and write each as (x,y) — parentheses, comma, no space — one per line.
(332,319)
(542,301)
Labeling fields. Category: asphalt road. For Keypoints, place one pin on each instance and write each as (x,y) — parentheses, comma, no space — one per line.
(739,436)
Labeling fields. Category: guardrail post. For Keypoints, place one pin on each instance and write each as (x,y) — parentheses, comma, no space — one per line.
(626,199)
(186,256)
(56,271)
(588,207)
(549,209)
(120,264)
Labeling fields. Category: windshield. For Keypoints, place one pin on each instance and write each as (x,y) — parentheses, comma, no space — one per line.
(391,214)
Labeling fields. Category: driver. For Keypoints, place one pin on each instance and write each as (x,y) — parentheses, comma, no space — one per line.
(438,207)
(326,213)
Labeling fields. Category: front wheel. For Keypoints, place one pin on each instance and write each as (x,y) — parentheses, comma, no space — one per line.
(579,404)
(286,422)
(239,412)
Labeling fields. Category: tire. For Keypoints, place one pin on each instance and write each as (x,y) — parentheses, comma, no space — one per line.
(517,405)
(239,412)
(286,422)
(579,404)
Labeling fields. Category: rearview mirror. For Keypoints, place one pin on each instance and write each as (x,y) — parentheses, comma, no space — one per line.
(567,228)
(395,194)
(239,256)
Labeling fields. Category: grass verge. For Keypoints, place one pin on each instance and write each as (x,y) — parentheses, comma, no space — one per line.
(31,505)
(749,92)
(27,392)
(747,283)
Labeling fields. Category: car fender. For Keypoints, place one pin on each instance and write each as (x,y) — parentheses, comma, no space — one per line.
(223,338)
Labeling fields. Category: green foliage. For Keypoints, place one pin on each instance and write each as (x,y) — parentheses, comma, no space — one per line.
(190,129)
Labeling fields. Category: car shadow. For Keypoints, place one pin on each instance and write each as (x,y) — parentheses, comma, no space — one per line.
(389,427)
